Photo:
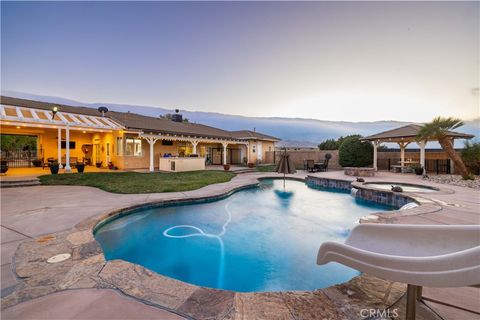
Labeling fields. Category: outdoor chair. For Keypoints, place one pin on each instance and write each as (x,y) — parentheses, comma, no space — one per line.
(310,165)
(73,161)
(324,166)
(419,255)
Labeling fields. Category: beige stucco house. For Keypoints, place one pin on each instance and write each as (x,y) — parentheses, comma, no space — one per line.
(126,140)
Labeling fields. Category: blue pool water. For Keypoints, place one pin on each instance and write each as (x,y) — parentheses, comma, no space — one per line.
(259,239)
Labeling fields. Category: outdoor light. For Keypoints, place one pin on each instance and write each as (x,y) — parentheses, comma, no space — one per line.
(54,112)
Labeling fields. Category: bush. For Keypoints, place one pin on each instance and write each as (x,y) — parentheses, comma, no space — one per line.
(471,156)
(355,153)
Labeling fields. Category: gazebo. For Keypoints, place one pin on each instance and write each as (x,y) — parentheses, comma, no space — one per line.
(404,136)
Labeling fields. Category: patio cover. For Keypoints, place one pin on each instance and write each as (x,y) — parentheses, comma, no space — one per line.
(22,116)
(404,136)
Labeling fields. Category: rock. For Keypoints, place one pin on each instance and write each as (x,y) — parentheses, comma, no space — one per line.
(136,281)
(80,237)
(207,303)
(455,180)
(311,305)
(262,305)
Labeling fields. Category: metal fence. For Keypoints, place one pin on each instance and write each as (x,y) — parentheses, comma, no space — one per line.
(438,166)
(19,158)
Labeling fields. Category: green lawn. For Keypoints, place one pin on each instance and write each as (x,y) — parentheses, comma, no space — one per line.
(133,182)
(266,168)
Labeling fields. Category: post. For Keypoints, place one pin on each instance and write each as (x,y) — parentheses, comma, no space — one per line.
(402,145)
(225,144)
(194,144)
(59,151)
(412,291)
(151,141)
(422,145)
(67,151)
(375,155)
(248,152)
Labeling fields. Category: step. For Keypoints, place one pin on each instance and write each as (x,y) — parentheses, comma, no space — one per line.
(19,183)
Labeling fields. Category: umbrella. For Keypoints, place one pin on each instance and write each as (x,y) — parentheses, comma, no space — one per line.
(285,165)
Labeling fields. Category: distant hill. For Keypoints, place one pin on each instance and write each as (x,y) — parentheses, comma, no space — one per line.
(296,132)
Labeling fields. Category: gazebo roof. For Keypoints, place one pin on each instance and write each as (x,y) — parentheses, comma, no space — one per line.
(409,133)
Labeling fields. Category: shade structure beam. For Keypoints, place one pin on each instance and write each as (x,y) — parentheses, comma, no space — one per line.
(35,117)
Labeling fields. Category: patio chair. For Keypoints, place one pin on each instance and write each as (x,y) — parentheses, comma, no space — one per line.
(419,255)
(324,166)
(310,165)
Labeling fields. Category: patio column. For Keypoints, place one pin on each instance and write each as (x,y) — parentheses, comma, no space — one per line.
(194,144)
(452,166)
(151,141)
(224,144)
(422,145)
(402,152)
(247,146)
(59,147)
(375,145)
(67,151)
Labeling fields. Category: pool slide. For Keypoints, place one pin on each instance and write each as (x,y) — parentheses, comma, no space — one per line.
(419,255)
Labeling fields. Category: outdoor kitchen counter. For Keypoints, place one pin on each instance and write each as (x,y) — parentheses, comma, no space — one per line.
(179,164)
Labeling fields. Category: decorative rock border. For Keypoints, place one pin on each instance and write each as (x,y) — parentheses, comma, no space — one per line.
(87,268)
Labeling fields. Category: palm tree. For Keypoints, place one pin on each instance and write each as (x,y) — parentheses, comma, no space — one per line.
(438,129)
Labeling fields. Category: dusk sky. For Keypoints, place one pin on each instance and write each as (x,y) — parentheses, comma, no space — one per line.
(323,60)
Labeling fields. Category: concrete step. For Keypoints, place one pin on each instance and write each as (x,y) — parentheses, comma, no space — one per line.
(19,183)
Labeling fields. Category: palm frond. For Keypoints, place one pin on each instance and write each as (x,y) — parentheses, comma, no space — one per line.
(438,128)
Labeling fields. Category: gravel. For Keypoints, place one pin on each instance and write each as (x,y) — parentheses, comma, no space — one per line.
(455,180)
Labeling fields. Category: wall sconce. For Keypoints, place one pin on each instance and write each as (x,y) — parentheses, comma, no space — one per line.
(54,112)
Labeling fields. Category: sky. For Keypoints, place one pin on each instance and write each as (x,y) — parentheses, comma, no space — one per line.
(347,61)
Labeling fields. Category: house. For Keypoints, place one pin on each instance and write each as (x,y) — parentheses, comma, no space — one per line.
(126,139)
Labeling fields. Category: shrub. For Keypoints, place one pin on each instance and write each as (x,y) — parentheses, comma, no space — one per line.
(355,153)
(471,156)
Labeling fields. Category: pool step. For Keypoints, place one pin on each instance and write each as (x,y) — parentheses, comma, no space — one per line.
(19,183)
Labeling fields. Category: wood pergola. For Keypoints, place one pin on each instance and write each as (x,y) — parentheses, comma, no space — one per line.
(404,136)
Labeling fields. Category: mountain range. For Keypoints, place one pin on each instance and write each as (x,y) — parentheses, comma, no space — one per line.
(294,132)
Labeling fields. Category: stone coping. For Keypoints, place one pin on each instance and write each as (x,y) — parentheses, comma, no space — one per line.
(87,268)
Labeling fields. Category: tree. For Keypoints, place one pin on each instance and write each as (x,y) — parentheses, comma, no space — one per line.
(438,129)
(329,144)
(355,153)
(332,144)
(13,142)
(471,156)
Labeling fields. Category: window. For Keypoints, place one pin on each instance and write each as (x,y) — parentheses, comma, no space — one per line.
(133,147)
(119,146)
(64,144)
(253,148)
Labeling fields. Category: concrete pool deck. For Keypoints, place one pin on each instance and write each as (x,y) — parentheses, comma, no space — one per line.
(31,212)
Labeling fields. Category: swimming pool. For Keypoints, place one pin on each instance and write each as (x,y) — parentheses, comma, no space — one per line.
(259,239)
